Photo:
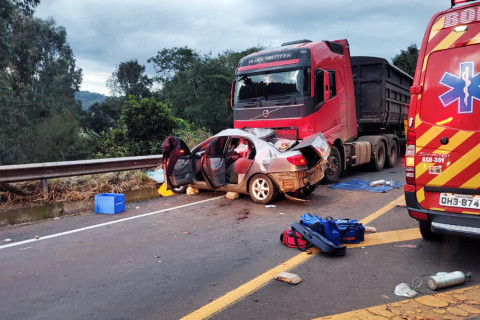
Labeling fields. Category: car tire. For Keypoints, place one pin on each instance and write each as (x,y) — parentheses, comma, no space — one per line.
(262,189)
(180,189)
(426,231)
(392,155)
(332,174)
(378,162)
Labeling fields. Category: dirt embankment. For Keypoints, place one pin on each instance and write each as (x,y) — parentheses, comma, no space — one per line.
(72,189)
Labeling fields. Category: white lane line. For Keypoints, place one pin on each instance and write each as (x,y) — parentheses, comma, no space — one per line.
(20,243)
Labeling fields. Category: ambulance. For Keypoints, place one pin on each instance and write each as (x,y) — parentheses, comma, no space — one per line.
(442,160)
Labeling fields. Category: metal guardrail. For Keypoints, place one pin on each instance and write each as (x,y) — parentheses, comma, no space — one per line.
(48,170)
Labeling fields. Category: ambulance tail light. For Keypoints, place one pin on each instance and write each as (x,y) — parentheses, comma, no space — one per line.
(410,164)
(418,215)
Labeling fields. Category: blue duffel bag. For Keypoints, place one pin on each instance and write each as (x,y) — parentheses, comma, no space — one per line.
(336,230)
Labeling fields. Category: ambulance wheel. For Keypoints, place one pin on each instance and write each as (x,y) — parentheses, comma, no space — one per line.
(262,189)
(392,155)
(426,231)
(378,162)
(332,174)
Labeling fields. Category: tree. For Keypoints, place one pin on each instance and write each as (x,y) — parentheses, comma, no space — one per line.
(38,79)
(129,79)
(407,59)
(198,87)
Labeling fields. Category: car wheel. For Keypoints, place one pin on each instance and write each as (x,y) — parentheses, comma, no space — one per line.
(262,189)
(426,231)
(332,174)
(392,156)
(378,162)
(180,189)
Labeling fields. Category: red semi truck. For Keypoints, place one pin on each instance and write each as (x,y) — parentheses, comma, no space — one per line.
(360,104)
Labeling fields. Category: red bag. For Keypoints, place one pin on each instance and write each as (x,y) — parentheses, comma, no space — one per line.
(293,239)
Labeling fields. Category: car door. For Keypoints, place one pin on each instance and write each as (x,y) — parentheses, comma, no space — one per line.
(213,163)
(183,172)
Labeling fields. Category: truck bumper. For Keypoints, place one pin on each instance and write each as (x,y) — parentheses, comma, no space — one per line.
(461,224)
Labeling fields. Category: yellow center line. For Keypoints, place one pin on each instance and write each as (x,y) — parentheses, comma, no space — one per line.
(253,285)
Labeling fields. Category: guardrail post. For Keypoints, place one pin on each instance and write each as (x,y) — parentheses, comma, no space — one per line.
(44,183)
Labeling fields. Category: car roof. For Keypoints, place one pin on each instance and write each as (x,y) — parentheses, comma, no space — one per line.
(258,133)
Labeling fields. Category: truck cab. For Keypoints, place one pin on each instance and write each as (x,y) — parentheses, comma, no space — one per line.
(443,138)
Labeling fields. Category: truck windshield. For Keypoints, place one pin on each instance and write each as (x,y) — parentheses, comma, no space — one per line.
(273,85)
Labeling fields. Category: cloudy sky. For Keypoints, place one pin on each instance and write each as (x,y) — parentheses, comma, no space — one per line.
(104,33)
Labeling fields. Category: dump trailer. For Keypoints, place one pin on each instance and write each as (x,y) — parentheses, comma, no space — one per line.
(360,104)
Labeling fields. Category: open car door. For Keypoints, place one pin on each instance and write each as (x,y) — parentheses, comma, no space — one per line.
(213,163)
(183,171)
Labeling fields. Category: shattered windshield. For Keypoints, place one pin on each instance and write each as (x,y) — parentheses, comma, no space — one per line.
(273,85)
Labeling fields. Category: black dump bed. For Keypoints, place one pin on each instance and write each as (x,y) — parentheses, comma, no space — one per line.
(382,95)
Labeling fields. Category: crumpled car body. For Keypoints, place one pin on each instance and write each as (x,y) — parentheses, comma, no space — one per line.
(252,161)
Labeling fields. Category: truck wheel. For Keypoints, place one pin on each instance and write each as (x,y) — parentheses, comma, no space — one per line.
(426,231)
(393,154)
(262,189)
(335,166)
(378,162)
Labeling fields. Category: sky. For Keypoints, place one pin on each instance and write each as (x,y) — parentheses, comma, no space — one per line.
(105,33)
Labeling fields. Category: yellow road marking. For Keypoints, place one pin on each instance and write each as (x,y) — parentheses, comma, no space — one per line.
(381,211)
(455,304)
(251,286)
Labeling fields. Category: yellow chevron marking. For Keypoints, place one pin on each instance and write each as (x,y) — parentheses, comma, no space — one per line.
(417,121)
(437,209)
(473,183)
(436,28)
(420,195)
(456,167)
(474,40)
(454,142)
(429,135)
(445,43)
(422,167)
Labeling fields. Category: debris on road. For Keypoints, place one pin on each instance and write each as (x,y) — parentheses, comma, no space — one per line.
(404,290)
(409,245)
(8,240)
(164,192)
(288,277)
(36,237)
(191,191)
(370,229)
(232,195)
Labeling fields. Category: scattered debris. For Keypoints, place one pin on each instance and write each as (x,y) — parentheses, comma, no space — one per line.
(232,195)
(36,237)
(56,218)
(164,192)
(409,245)
(370,229)
(213,284)
(191,191)
(288,277)
(402,205)
(270,206)
(381,183)
(186,232)
(8,240)
(404,290)
(281,213)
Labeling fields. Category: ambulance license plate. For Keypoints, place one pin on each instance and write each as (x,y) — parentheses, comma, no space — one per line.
(460,200)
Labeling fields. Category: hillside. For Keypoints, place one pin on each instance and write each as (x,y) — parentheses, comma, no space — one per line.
(88,98)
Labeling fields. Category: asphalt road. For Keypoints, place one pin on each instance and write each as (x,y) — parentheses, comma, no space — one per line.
(204,256)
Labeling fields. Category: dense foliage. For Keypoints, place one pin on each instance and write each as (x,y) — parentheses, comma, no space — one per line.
(407,59)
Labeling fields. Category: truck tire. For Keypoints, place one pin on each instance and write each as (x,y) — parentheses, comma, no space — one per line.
(426,231)
(392,155)
(332,174)
(378,162)
(262,189)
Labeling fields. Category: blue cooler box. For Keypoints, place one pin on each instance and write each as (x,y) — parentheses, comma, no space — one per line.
(110,203)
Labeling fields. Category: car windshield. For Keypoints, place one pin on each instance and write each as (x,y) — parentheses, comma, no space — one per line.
(273,85)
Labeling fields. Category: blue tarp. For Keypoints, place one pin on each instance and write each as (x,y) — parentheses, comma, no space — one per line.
(156,175)
(364,185)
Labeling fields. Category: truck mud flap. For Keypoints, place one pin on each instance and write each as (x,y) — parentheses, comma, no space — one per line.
(318,240)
